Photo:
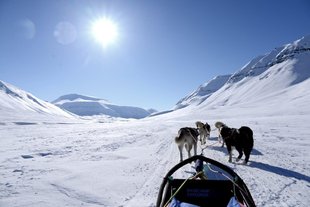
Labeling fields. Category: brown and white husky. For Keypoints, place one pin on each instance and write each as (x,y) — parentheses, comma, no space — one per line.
(187,137)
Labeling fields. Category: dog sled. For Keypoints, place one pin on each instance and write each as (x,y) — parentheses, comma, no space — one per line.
(211,184)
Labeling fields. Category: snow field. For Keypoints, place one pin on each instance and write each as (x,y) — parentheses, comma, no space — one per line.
(123,163)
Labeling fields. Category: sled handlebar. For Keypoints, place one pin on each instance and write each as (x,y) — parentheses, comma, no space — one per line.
(201,158)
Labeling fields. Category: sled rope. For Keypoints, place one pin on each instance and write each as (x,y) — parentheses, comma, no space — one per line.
(203,148)
(196,140)
(231,180)
(190,178)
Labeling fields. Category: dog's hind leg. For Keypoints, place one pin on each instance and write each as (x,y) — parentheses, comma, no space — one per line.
(229,152)
(181,152)
(247,153)
(195,149)
(240,153)
(247,157)
(230,156)
(188,149)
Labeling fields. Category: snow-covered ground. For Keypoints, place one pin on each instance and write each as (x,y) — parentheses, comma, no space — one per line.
(122,163)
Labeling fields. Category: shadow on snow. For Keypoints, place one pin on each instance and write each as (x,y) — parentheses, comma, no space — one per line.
(264,166)
(224,150)
(279,171)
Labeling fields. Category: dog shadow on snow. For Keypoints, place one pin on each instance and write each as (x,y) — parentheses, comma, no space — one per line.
(224,150)
(267,167)
(279,170)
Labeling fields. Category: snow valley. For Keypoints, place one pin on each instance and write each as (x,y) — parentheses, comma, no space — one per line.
(51,157)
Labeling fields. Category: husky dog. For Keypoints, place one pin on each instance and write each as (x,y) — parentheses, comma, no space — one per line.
(187,137)
(219,125)
(241,139)
(204,131)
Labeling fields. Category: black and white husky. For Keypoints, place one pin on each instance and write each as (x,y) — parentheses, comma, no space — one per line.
(219,125)
(188,138)
(241,139)
(204,131)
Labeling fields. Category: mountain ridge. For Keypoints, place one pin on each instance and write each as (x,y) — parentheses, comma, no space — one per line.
(17,104)
(266,74)
(202,92)
(89,106)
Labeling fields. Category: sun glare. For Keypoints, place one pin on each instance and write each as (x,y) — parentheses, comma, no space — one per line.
(104,31)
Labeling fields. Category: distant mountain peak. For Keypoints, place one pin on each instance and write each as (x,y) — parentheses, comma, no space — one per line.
(90,106)
(7,89)
(74,96)
(262,63)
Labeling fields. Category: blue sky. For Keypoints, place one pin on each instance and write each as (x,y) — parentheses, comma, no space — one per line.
(165,49)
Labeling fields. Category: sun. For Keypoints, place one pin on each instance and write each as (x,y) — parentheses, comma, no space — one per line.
(104,31)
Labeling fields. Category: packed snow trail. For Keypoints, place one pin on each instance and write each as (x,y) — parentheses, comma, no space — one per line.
(123,163)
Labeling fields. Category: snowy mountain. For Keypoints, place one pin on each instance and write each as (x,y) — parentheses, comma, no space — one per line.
(284,72)
(279,58)
(203,92)
(89,106)
(18,105)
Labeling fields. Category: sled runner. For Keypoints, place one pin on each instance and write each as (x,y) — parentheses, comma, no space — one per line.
(213,184)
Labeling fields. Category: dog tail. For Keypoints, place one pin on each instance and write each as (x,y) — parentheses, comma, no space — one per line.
(248,131)
(177,139)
